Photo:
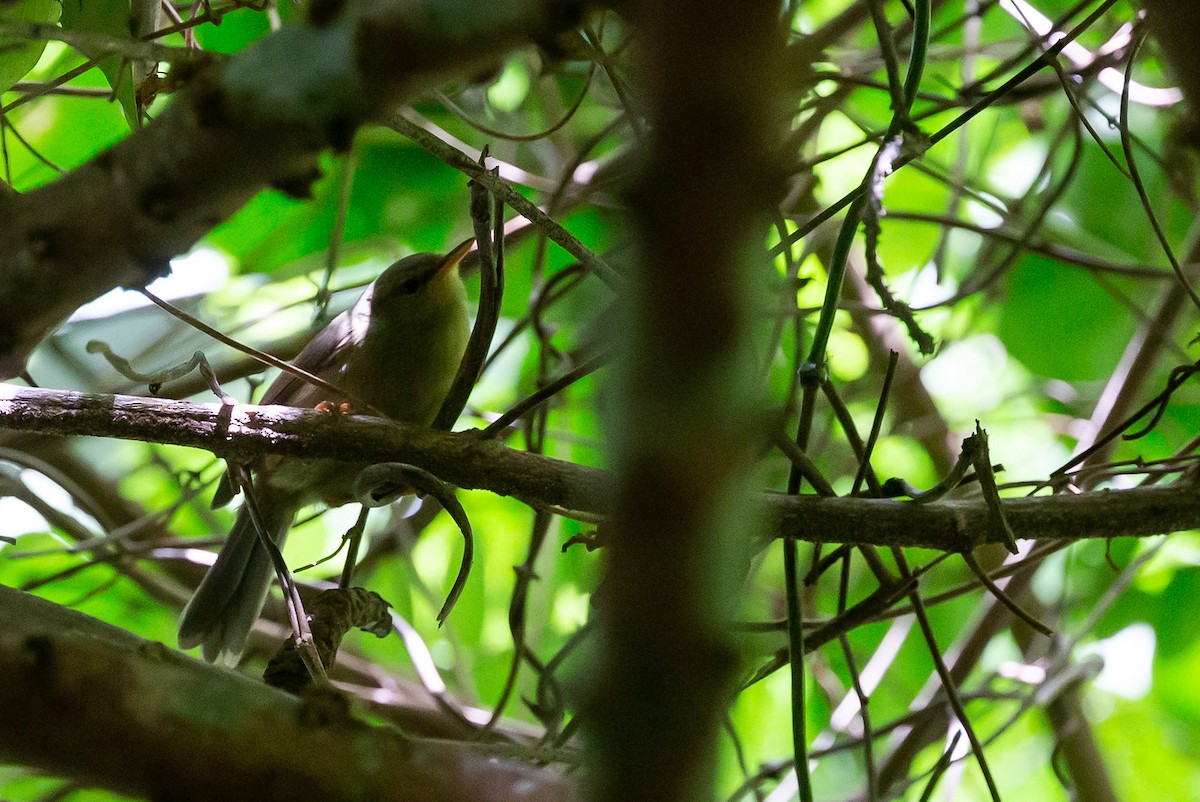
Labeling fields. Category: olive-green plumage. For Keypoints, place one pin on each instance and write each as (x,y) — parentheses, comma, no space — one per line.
(397,349)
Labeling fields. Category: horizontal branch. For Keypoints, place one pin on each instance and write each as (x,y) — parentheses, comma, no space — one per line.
(243,432)
(87,700)
(963,525)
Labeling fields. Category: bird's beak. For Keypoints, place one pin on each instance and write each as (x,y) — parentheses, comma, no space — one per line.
(455,256)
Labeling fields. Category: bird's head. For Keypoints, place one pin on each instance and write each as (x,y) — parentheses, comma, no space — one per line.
(417,282)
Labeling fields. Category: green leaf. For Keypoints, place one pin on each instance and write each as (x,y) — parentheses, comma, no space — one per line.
(112,17)
(17,58)
(1059,322)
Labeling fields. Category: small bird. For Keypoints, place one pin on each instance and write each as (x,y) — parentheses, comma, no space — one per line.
(398,350)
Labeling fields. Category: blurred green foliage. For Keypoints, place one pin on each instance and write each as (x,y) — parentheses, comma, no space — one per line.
(1028,350)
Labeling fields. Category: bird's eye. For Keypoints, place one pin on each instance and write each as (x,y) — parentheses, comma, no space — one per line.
(410,286)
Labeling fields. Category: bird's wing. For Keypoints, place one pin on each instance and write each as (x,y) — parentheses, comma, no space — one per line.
(324,356)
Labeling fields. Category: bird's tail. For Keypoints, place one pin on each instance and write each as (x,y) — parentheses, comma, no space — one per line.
(229,599)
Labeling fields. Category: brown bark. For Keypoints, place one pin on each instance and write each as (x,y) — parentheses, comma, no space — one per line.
(87,700)
(684,443)
(244,431)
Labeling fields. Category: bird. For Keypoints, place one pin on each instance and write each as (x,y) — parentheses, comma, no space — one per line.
(397,349)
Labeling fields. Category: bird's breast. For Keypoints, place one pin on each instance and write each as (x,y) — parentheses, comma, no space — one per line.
(405,370)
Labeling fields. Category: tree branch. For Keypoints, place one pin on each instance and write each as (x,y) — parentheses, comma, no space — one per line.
(683,441)
(88,700)
(244,432)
